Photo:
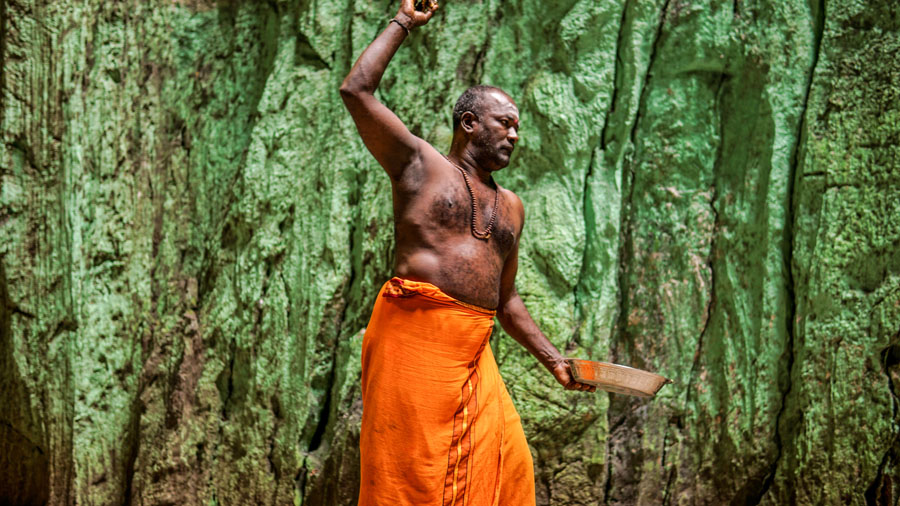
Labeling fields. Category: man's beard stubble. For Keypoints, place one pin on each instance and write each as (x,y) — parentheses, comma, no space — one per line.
(489,156)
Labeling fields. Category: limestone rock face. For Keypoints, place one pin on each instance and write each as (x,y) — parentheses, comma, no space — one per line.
(193,235)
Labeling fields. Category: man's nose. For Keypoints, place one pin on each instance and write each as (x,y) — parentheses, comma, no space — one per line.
(512,136)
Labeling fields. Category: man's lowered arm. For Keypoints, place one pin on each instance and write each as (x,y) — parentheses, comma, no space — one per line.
(518,323)
(385,136)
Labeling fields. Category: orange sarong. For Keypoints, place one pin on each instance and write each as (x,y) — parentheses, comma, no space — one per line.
(438,426)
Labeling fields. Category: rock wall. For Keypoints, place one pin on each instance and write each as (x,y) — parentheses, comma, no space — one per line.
(193,235)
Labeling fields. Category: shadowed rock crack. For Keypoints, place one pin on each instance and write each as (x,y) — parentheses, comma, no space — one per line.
(3,35)
(626,251)
(664,14)
(788,241)
(590,230)
(35,444)
(617,74)
(328,415)
(625,241)
(671,475)
(324,414)
(133,444)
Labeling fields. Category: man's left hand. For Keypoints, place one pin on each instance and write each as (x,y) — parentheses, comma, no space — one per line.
(564,376)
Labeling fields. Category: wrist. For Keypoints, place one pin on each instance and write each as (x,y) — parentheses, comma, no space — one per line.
(404,20)
(552,361)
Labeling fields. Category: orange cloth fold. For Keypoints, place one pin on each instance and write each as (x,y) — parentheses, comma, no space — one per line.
(438,425)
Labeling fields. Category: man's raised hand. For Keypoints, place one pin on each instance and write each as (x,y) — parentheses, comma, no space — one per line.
(411,18)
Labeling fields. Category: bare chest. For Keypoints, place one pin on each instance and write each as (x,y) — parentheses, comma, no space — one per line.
(449,211)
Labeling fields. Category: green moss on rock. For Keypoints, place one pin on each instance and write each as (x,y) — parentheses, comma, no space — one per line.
(193,235)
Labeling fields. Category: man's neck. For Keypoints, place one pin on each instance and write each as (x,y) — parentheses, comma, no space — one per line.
(464,159)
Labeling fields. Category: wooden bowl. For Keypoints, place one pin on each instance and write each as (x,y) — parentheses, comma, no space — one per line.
(617,378)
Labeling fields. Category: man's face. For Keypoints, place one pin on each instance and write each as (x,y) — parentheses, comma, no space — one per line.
(497,132)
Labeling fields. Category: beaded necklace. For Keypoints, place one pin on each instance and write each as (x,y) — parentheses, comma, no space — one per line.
(475,232)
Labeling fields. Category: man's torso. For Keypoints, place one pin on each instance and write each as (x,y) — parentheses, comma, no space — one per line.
(433,216)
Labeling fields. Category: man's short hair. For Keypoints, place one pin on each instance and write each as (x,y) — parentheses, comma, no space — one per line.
(472,100)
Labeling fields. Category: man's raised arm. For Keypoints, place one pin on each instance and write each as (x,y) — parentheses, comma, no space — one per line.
(386,137)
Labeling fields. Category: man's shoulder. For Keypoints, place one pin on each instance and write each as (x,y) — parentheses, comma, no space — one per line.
(511,197)
(514,203)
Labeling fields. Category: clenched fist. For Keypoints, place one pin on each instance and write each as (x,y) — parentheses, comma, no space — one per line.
(410,15)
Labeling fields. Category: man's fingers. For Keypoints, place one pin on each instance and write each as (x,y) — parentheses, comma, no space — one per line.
(584,387)
(430,8)
(581,387)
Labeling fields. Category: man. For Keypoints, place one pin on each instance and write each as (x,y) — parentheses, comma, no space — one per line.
(438,424)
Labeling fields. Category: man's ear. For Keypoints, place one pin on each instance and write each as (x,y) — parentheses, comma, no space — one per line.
(467,121)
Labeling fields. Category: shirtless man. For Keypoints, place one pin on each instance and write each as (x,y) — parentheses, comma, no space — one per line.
(457,239)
